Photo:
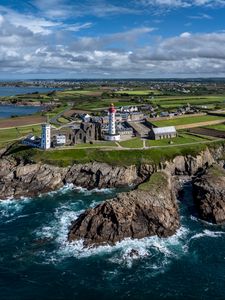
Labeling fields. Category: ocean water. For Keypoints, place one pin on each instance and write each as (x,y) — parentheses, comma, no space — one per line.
(36,262)
(6,111)
(13,90)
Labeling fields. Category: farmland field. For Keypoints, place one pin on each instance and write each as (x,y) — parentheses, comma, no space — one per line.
(182,138)
(172,102)
(7,135)
(220,127)
(139,93)
(187,120)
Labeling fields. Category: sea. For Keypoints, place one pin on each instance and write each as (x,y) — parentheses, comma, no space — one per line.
(6,111)
(13,90)
(37,262)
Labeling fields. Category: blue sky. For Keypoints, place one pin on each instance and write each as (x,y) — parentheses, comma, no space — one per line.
(112,39)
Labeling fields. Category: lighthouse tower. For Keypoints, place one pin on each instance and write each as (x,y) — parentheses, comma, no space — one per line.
(112,135)
(46,136)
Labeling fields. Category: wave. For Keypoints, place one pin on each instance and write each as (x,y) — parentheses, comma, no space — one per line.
(11,207)
(94,191)
(207,233)
(126,252)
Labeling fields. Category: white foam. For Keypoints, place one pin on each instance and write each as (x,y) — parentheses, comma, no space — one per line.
(11,207)
(207,233)
(96,190)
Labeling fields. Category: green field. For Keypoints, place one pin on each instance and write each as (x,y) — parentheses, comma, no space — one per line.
(7,135)
(182,138)
(112,157)
(101,144)
(139,93)
(186,120)
(102,104)
(63,120)
(172,102)
(220,127)
(133,143)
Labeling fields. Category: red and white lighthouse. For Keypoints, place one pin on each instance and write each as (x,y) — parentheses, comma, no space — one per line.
(112,135)
(112,120)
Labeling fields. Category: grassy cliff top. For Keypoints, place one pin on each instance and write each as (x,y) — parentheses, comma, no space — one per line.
(157,181)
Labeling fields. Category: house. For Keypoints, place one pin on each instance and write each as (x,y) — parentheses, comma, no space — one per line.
(32,141)
(59,140)
(137,116)
(163,133)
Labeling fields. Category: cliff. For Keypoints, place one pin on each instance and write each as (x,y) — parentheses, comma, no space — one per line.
(209,194)
(19,178)
(149,210)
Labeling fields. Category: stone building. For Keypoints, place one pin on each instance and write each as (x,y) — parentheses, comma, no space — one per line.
(86,133)
(163,133)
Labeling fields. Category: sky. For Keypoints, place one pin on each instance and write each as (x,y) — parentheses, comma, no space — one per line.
(112,39)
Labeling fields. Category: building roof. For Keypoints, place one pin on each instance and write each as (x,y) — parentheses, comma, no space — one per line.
(164,130)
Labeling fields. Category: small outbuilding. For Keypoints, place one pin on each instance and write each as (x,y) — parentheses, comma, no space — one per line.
(163,133)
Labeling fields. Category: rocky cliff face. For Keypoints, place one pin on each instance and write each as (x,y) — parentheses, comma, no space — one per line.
(209,194)
(18,178)
(147,211)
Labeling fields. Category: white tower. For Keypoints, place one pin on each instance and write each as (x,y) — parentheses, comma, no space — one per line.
(112,135)
(46,136)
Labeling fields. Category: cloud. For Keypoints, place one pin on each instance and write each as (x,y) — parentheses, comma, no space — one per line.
(52,47)
(66,9)
(182,3)
(201,17)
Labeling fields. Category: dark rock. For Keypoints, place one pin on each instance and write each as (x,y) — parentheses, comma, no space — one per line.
(149,210)
(209,195)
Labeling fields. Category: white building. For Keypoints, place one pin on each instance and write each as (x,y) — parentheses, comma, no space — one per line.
(59,140)
(112,134)
(163,133)
(46,136)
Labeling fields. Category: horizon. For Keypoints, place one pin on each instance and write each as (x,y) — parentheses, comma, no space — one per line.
(103,39)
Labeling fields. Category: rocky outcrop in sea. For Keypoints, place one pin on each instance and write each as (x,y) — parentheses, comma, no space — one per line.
(209,194)
(149,210)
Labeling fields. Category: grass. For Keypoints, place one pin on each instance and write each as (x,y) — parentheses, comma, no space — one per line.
(157,181)
(140,92)
(63,120)
(220,127)
(7,135)
(102,104)
(79,92)
(186,120)
(182,138)
(95,145)
(173,102)
(133,143)
(113,157)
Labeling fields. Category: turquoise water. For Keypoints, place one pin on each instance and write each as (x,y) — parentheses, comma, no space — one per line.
(6,111)
(36,262)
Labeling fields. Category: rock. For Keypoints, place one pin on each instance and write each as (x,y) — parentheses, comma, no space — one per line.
(149,210)
(19,178)
(209,195)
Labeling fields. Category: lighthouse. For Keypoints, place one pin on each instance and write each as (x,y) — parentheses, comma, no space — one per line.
(112,135)
(46,136)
